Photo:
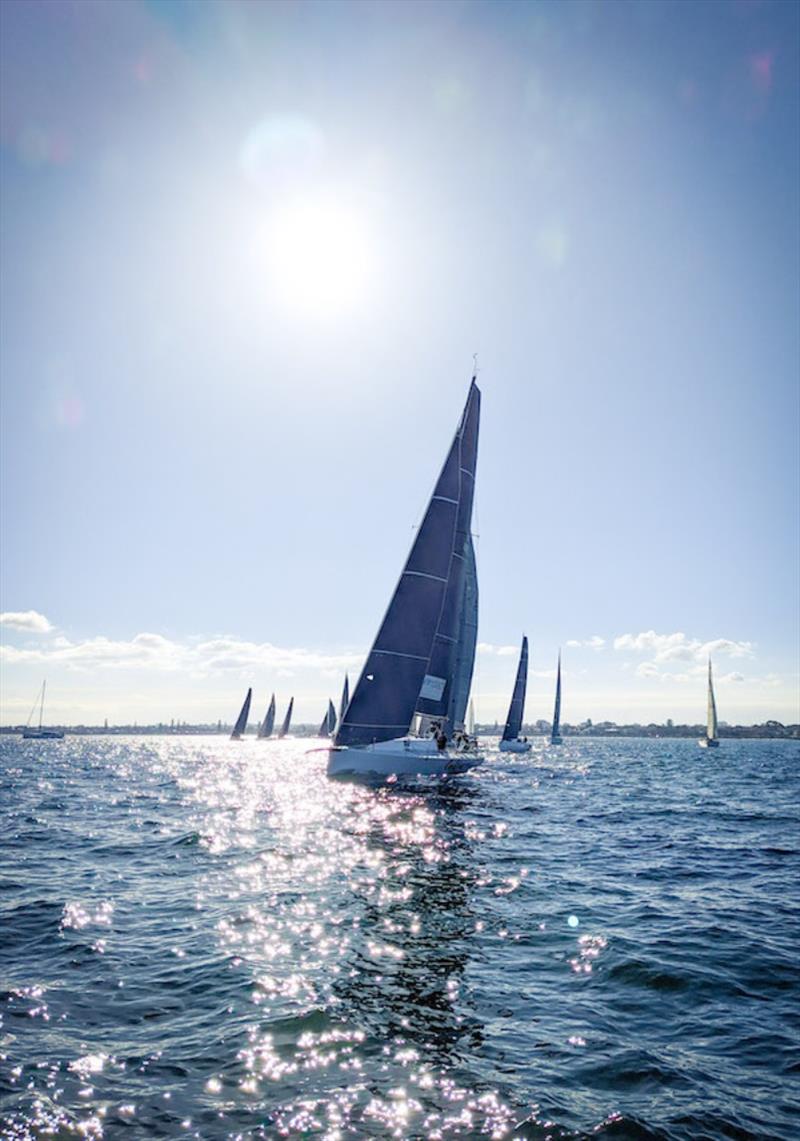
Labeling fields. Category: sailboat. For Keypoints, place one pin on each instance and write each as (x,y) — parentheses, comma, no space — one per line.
(284,729)
(555,736)
(471,718)
(30,733)
(241,721)
(710,741)
(420,664)
(328,721)
(510,741)
(268,724)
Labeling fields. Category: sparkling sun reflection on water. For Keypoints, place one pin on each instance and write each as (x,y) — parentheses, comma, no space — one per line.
(211,939)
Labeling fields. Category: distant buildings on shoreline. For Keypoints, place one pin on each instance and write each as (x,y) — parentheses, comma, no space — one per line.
(541,728)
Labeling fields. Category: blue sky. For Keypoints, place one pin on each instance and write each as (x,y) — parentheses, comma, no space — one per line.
(218,434)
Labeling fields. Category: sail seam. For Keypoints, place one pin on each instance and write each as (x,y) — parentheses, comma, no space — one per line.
(398,654)
(423,574)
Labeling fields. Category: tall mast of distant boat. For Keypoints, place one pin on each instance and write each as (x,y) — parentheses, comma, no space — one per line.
(40,734)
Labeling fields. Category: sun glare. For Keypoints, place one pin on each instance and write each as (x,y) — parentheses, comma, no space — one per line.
(320,258)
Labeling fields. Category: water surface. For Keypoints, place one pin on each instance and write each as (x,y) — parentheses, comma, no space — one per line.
(209,939)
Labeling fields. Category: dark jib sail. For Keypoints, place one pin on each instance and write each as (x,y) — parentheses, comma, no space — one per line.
(268,724)
(467,641)
(241,720)
(386,695)
(345,699)
(517,706)
(284,729)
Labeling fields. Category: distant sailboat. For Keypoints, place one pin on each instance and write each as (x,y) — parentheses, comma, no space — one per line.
(241,721)
(422,658)
(555,736)
(32,734)
(710,741)
(471,718)
(268,724)
(510,741)
(328,721)
(284,729)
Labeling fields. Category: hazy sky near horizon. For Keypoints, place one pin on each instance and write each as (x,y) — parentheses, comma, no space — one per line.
(246,254)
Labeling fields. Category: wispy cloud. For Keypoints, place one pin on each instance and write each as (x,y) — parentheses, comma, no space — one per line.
(155,652)
(677,647)
(593,643)
(498,651)
(31,621)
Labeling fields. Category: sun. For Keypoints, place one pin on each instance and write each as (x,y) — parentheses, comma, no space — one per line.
(320,257)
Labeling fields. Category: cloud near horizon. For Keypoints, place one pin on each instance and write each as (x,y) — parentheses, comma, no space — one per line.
(498,651)
(201,658)
(593,643)
(677,647)
(30,621)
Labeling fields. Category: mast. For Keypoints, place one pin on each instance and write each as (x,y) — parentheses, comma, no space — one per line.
(517,706)
(41,707)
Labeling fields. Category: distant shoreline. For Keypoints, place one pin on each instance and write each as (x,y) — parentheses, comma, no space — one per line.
(770,730)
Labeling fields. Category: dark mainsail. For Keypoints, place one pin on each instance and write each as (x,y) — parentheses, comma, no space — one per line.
(557,711)
(328,721)
(517,706)
(467,641)
(411,661)
(241,720)
(435,695)
(268,724)
(284,729)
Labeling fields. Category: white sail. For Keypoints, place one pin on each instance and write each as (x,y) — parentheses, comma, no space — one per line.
(711,718)
(471,718)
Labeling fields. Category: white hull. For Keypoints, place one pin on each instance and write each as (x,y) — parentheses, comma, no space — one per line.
(708,743)
(556,741)
(406,756)
(516,746)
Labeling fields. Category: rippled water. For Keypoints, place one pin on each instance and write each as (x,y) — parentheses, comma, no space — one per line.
(210,939)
